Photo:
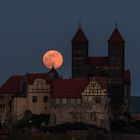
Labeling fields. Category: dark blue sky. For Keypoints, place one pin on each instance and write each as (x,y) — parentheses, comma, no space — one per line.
(28,28)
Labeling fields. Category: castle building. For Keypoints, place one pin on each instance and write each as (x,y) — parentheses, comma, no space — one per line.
(111,66)
(99,88)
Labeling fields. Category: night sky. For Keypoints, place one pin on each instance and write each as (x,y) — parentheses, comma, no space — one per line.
(29,28)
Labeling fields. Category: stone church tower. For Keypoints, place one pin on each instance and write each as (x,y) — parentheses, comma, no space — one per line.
(111,66)
(79,55)
(116,71)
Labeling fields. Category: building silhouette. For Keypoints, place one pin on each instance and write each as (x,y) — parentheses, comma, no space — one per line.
(99,89)
(111,66)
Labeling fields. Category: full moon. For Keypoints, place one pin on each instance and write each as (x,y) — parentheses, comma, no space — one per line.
(52,58)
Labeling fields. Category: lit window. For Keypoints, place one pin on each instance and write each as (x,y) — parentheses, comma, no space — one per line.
(34,99)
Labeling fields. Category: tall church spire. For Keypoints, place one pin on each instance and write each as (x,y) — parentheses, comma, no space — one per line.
(80,23)
(79,54)
(80,36)
(116,71)
(116,37)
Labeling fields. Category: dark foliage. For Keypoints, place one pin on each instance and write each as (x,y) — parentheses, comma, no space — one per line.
(62,128)
(119,126)
(32,121)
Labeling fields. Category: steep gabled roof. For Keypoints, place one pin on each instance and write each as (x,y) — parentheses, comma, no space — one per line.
(32,76)
(79,37)
(116,37)
(12,86)
(68,88)
(73,88)
(98,61)
(53,73)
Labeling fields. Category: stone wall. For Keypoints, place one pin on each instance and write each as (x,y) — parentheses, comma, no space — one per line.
(19,107)
(84,112)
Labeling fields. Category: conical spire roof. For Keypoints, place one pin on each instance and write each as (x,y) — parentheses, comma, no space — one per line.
(116,37)
(80,36)
(54,74)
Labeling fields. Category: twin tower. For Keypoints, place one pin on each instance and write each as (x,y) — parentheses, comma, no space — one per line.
(111,66)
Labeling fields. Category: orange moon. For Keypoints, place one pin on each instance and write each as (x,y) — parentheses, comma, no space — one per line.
(52,58)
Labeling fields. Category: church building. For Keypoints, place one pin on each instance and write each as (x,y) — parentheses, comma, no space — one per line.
(111,66)
(100,88)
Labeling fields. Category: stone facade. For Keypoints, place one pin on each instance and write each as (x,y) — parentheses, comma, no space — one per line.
(39,97)
(92,107)
(111,66)
(100,88)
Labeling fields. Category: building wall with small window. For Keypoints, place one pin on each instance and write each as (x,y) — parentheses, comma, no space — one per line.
(65,109)
(96,101)
(91,108)
(36,100)
(39,97)
(19,107)
(6,106)
(75,110)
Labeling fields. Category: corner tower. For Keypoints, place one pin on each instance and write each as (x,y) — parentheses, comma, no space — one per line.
(116,71)
(79,55)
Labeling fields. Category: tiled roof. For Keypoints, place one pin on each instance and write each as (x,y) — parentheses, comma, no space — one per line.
(73,88)
(12,85)
(60,88)
(127,78)
(32,76)
(98,61)
(79,37)
(116,37)
(68,88)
